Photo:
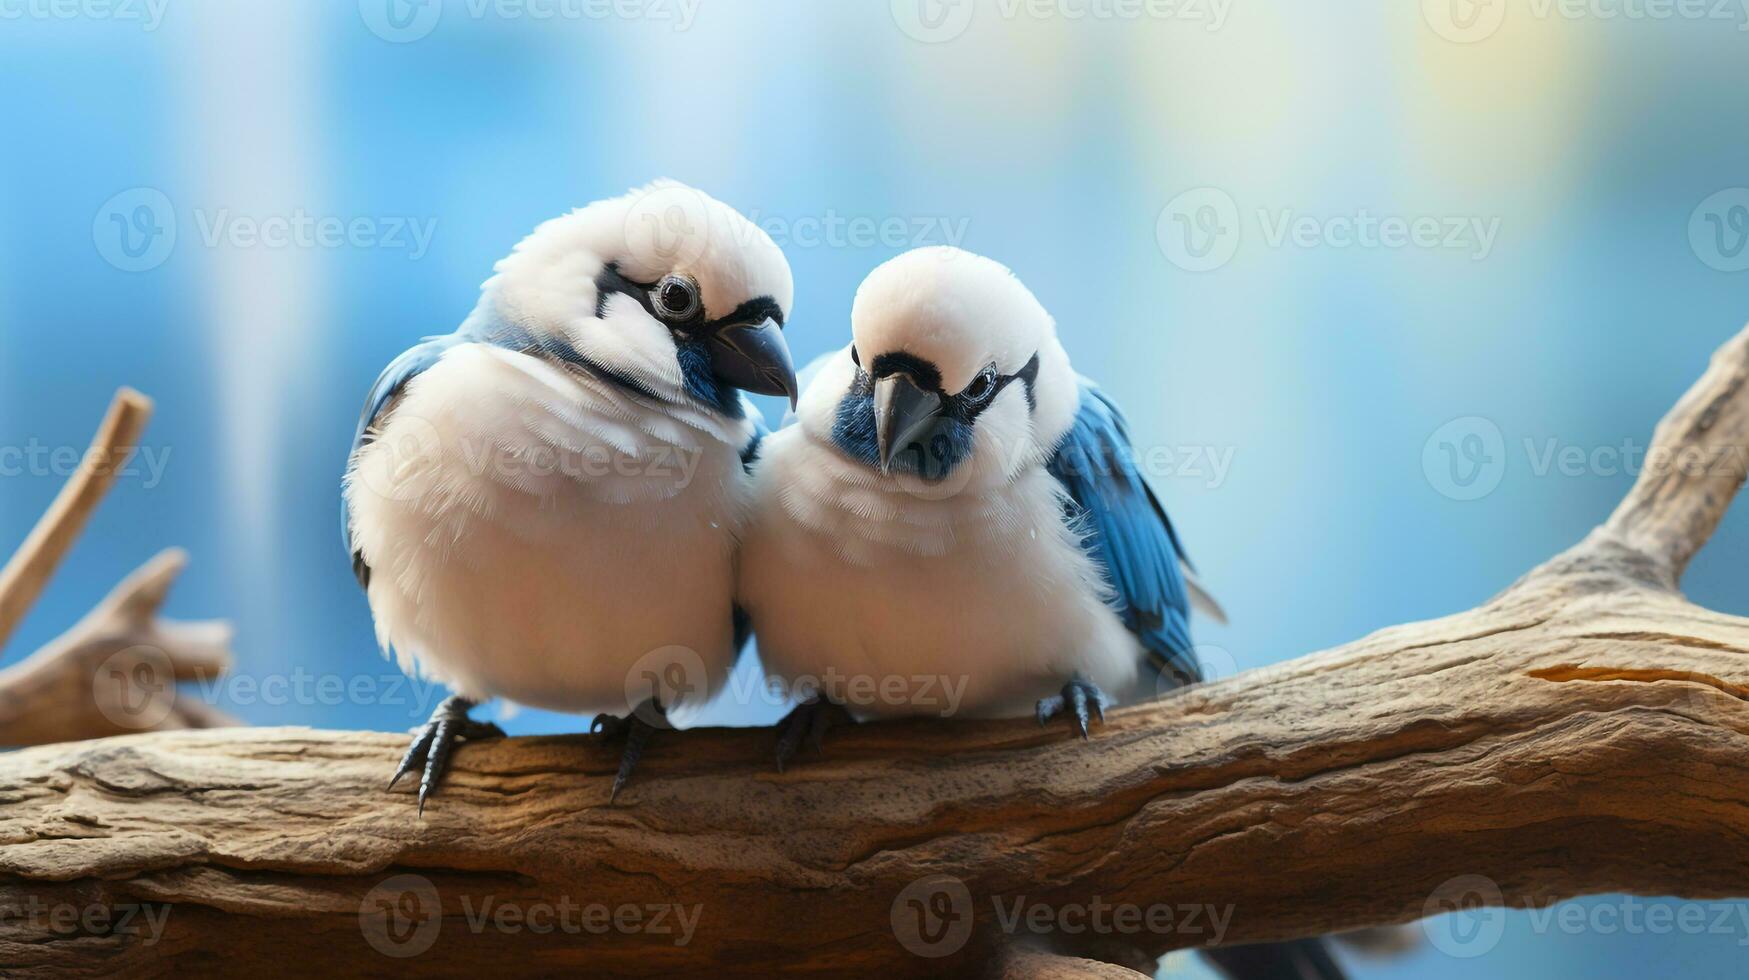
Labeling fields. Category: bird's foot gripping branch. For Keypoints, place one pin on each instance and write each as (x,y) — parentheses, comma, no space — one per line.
(1585,731)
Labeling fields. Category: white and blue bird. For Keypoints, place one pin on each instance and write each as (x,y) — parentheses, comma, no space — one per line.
(953,505)
(953,501)
(544,505)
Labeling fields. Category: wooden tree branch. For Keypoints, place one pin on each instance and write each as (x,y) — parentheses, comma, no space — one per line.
(116,671)
(1023,962)
(1585,731)
(23,578)
(1696,464)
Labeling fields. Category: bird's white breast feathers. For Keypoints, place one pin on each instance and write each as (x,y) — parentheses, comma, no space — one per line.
(537,534)
(973,603)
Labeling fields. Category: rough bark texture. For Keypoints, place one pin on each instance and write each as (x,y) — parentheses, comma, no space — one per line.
(1025,963)
(1583,732)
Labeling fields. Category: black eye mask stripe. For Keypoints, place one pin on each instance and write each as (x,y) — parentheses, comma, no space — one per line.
(853,428)
(753,311)
(610,281)
(969,410)
(1028,376)
(928,377)
(694,356)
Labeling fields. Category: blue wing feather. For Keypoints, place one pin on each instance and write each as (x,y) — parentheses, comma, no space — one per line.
(1127,533)
(390,383)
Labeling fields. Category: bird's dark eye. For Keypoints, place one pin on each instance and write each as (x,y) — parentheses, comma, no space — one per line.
(982,386)
(855,358)
(676,298)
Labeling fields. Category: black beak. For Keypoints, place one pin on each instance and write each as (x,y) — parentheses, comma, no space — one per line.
(753,357)
(903,414)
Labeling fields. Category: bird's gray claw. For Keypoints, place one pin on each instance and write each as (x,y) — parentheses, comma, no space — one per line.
(810,720)
(416,752)
(434,742)
(636,738)
(636,732)
(1081,701)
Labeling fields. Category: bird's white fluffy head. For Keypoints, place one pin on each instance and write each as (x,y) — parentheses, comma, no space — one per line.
(954,309)
(549,284)
(951,321)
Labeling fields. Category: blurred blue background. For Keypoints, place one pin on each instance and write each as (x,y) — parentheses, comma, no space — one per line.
(1146,169)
